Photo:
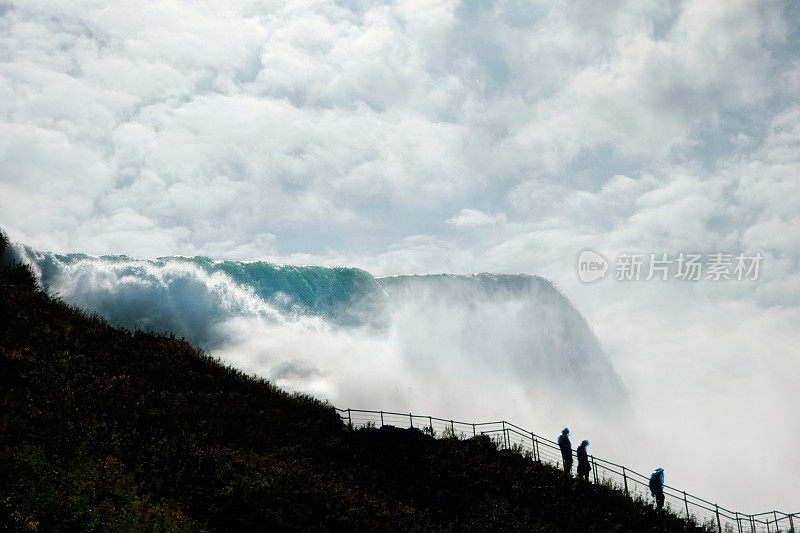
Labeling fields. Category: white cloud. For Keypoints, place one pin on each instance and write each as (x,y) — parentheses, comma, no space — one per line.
(473,218)
(319,114)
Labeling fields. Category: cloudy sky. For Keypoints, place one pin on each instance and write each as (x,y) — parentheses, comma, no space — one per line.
(445,136)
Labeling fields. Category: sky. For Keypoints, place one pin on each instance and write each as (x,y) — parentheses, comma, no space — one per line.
(445,136)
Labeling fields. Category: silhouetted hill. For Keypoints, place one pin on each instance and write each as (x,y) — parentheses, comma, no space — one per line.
(104,429)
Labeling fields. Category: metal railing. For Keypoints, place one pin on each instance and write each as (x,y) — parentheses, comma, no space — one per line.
(512,437)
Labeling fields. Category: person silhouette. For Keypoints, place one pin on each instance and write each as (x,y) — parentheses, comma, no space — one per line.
(583,461)
(657,487)
(566,450)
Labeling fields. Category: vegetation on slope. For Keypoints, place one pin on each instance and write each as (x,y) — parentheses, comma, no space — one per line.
(104,429)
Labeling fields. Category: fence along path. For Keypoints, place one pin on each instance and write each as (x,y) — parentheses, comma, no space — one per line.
(512,437)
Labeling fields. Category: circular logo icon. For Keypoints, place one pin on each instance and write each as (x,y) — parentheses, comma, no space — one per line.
(591,266)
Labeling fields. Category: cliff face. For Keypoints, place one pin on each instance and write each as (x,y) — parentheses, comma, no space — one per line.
(518,325)
(108,430)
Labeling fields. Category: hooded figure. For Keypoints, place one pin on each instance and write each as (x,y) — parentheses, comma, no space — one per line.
(583,461)
(566,450)
(657,487)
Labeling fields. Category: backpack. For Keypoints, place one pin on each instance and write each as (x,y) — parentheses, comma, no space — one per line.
(655,481)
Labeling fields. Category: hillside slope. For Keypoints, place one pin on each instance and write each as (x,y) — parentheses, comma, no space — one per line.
(111,430)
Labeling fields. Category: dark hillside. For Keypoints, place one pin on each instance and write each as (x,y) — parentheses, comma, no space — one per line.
(104,429)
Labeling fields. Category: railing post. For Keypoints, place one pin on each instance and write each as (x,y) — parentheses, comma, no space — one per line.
(738,523)
(349,419)
(719,523)
(686,503)
(474,434)
(775,516)
(504,432)
(594,468)
(625,479)
(381,418)
(453,428)
(791,523)
(430,421)
(533,446)
(411,419)
(538,454)
(752,524)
